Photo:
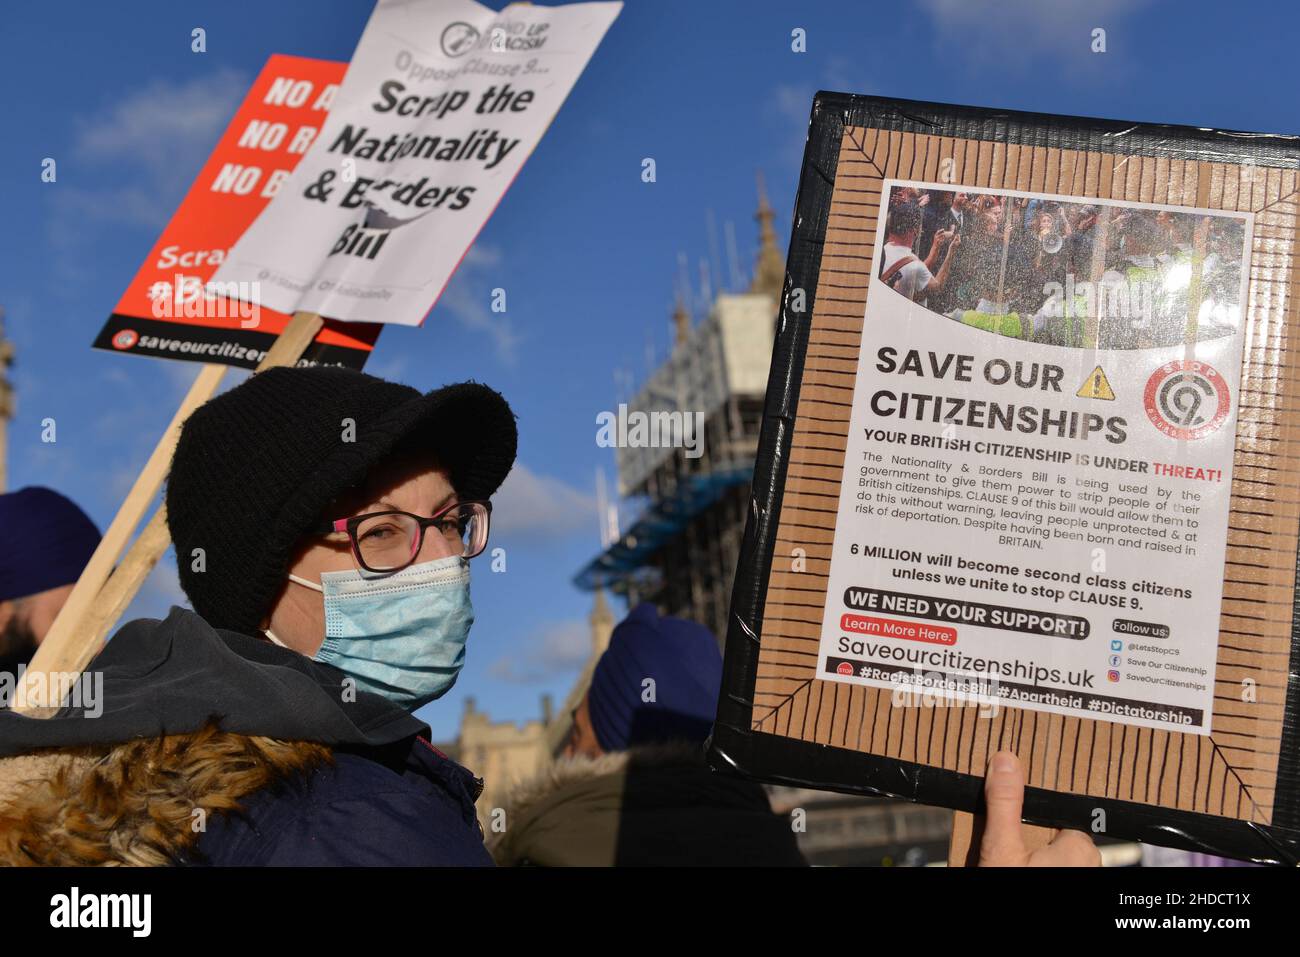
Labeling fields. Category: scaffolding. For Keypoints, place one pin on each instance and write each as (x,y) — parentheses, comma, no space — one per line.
(691,499)
(680,552)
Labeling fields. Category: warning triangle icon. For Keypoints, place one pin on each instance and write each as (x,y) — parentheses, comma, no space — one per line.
(1096,386)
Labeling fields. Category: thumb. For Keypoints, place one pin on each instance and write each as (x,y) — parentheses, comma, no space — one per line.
(1004,795)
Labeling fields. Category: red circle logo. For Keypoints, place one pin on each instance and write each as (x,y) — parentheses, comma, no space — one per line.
(1187,399)
(844,668)
(125,339)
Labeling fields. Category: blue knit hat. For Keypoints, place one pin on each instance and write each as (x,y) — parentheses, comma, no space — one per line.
(682,658)
(45,541)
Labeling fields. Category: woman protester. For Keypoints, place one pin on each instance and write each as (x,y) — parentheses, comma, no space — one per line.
(324,521)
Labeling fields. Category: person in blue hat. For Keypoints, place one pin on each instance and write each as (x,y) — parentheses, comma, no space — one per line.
(45,542)
(658,681)
(635,789)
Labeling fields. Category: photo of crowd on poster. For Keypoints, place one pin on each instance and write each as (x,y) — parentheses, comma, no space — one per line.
(1065,273)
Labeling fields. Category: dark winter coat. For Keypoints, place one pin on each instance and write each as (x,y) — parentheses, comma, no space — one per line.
(651,805)
(213,747)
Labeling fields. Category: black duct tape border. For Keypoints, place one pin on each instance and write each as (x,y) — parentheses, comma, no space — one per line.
(734,745)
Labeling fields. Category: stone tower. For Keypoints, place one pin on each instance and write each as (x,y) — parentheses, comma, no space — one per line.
(769,270)
(602,624)
(6,402)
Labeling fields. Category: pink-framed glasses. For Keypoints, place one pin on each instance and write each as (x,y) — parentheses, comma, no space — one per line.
(389,541)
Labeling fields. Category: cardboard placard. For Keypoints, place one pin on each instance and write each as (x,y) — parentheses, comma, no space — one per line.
(1030,434)
(171,309)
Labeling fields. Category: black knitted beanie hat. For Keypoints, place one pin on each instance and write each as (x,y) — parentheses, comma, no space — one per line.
(255,468)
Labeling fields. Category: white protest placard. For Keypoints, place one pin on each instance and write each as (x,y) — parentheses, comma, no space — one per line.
(1038,509)
(442,103)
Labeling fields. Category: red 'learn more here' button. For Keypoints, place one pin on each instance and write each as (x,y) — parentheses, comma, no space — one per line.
(892,628)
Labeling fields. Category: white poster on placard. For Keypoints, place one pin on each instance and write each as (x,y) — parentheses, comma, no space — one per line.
(1038,470)
(442,103)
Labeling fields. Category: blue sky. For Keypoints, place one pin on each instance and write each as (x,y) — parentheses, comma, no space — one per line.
(587,252)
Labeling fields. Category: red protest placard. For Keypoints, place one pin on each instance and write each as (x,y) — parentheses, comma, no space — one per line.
(170,309)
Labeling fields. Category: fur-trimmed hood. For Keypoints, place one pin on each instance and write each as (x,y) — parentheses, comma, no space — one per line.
(651,805)
(143,802)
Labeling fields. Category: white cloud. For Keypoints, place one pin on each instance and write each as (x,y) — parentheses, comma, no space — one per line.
(557,648)
(1013,32)
(793,101)
(843,75)
(469,296)
(131,425)
(839,74)
(532,505)
(392,367)
(146,150)
(167,128)
(117,205)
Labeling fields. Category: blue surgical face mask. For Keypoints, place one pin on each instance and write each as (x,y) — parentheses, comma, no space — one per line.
(401,635)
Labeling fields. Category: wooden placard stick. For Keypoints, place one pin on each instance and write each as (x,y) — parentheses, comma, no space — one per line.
(102,593)
(289,346)
(62,649)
